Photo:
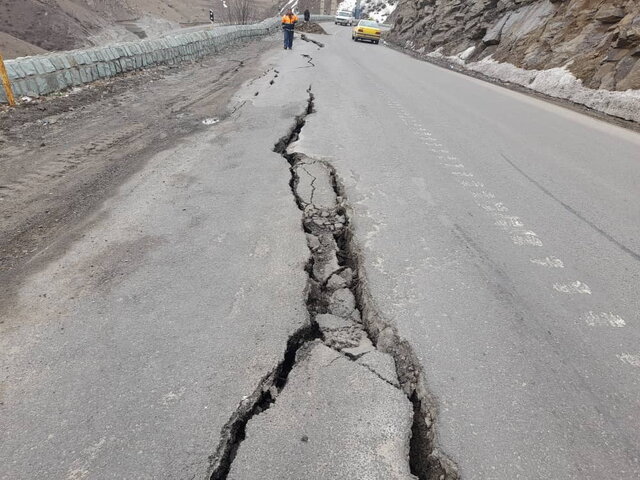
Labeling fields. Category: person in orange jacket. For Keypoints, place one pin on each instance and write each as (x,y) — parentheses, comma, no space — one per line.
(288,24)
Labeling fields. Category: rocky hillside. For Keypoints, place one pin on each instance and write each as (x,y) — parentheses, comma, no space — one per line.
(597,40)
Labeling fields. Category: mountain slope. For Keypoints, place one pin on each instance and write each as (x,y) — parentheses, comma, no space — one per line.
(66,24)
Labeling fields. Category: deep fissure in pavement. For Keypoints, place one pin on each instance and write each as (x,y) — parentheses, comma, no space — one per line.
(426,461)
(307,39)
(342,315)
(233,433)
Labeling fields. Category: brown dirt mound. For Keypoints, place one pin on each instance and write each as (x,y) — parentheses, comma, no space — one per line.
(12,47)
(310,27)
(66,24)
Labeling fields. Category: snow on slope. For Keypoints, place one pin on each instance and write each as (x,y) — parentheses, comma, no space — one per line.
(379,10)
(555,82)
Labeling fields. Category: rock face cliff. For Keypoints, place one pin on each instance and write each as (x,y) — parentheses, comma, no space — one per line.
(598,41)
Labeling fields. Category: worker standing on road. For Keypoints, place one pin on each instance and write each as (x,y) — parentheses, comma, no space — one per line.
(288,24)
(307,15)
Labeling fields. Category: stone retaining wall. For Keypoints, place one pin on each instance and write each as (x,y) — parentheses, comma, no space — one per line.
(53,72)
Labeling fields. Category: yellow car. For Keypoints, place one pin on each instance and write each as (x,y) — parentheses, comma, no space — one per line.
(366,30)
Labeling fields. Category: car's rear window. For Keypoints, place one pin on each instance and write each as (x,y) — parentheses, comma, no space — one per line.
(367,23)
(344,14)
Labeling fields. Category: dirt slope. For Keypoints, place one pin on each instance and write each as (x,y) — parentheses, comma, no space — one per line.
(598,40)
(66,24)
(11,47)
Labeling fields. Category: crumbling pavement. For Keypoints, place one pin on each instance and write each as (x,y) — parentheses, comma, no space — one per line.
(348,400)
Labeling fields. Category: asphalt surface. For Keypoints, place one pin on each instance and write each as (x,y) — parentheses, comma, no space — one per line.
(125,357)
(502,235)
(319,428)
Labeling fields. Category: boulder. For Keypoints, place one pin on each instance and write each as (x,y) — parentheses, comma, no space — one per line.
(610,14)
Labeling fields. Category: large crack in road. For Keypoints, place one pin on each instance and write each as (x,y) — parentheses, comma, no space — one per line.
(346,328)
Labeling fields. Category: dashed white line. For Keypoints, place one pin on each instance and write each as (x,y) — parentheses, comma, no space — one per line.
(549,262)
(603,319)
(531,240)
(573,287)
(630,359)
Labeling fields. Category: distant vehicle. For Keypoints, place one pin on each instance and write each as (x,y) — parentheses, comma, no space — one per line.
(366,30)
(343,17)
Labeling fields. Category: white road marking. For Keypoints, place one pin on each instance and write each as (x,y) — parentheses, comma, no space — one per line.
(629,358)
(603,319)
(483,194)
(521,240)
(573,287)
(550,262)
(471,184)
(508,222)
(496,207)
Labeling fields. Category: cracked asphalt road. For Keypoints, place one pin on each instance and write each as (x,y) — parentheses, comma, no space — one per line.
(125,354)
(499,233)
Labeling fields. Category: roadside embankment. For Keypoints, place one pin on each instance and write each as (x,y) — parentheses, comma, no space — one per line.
(53,72)
(44,74)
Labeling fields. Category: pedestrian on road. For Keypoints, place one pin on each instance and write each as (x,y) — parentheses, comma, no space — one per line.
(288,25)
(307,16)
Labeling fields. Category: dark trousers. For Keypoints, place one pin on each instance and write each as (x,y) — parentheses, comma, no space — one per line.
(288,38)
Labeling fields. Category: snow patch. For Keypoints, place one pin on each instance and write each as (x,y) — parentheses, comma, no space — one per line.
(556,82)
(561,83)
(464,55)
(348,5)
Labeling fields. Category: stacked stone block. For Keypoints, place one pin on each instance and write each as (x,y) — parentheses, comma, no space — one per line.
(53,72)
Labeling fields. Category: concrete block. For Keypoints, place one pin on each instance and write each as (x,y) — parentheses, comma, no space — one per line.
(12,71)
(67,61)
(82,58)
(84,73)
(42,85)
(127,64)
(63,77)
(41,66)
(75,76)
(105,54)
(32,87)
(102,70)
(18,88)
(28,67)
(57,62)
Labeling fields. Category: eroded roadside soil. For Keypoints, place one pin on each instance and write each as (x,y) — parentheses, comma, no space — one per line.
(61,156)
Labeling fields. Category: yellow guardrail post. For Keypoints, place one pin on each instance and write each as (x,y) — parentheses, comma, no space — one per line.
(6,83)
